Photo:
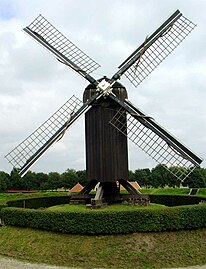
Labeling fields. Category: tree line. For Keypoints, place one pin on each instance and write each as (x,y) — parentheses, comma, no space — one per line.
(155,177)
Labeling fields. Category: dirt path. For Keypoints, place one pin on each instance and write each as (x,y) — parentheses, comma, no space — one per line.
(9,263)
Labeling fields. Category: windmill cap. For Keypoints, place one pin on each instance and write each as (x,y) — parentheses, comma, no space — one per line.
(118,89)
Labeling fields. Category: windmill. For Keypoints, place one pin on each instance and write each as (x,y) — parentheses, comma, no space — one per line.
(110,118)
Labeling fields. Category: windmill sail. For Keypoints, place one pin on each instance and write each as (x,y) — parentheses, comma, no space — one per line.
(28,152)
(51,130)
(154,140)
(61,47)
(155,48)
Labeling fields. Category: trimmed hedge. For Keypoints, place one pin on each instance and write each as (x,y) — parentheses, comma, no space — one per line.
(176,200)
(44,202)
(109,222)
(2,206)
(38,202)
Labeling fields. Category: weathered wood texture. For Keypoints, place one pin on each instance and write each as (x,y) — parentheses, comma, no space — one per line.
(106,147)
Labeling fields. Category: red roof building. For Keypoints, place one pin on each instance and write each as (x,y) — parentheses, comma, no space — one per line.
(77,188)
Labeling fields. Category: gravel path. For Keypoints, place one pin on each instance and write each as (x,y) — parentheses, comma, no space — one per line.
(9,263)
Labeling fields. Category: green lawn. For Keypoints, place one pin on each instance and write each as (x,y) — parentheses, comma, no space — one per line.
(131,251)
(14,196)
(178,191)
(115,207)
(202,192)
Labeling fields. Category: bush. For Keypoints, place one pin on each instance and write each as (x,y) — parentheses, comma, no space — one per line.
(2,206)
(175,200)
(38,202)
(109,222)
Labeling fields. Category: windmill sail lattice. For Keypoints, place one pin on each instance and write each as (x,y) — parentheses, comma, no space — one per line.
(45,33)
(20,155)
(156,48)
(158,146)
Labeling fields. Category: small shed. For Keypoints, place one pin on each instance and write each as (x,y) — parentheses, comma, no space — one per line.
(77,188)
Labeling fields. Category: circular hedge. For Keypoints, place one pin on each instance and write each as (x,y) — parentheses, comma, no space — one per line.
(177,217)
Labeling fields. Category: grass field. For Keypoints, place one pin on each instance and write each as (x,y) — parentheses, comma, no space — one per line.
(13,196)
(202,192)
(178,191)
(116,207)
(132,251)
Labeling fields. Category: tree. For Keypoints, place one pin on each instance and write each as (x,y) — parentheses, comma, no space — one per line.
(143,176)
(54,181)
(197,179)
(174,181)
(42,180)
(131,176)
(4,181)
(69,178)
(17,182)
(157,177)
(30,181)
(82,177)
(160,176)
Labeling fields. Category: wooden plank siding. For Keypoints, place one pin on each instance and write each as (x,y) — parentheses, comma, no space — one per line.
(106,147)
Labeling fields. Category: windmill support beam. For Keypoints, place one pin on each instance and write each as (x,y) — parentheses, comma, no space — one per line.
(108,193)
(128,187)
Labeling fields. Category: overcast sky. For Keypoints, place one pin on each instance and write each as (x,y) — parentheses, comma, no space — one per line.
(33,84)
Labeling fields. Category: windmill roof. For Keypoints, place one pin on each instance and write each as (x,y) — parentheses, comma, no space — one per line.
(76,188)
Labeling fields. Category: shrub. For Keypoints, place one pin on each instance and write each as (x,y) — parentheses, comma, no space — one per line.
(109,222)
(175,200)
(2,206)
(38,202)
